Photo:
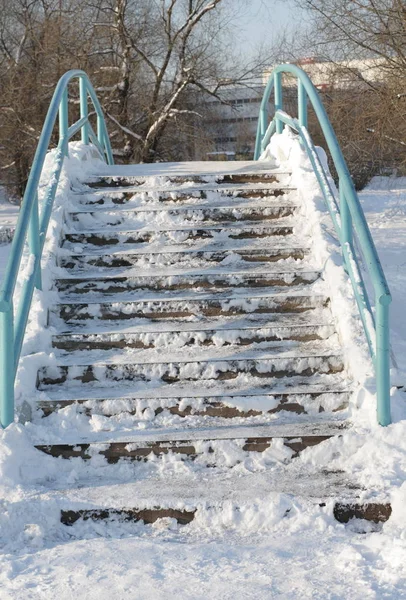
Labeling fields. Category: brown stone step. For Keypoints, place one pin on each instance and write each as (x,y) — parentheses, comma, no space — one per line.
(103,283)
(233,231)
(127,259)
(113,452)
(154,309)
(369,511)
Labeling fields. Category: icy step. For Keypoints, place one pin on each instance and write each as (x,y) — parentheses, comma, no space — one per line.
(212,201)
(204,194)
(186,247)
(191,258)
(164,234)
(279,323)
(275,350)
(213,332)
(155,498)
(141,438)
(176,217)
(309,400)
(242,386)
(103,282)
(217,365)
(162,175)
(162,306)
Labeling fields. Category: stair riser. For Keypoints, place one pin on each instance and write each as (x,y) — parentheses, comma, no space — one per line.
(153,197)
(343,513)
(116,285)
(117,451)
(78,313)
(169,237)
(210,407)
(131,219)
(174,372)
(110,182)
(194,259)
(72,343)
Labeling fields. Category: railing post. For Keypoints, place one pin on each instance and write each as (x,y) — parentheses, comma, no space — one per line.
(6,365)
(302,104)
(346,219)
(100,135)
(278,100)
(383,361)
(34,239)
(63,118)
(83,109)
(263,120)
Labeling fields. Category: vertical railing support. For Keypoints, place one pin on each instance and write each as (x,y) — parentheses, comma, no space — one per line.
(63,117)
(263,123)
(278,100)
(346,220)
(383,361)
(6,365)
(83,109)
(34,239)
(100,135)
(302,104)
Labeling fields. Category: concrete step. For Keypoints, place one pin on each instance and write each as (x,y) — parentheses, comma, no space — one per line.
(216,365)
(213,332)
(186,201)
(190,443)
(178,216)
(165,234)
(163,305)
(191,258)
(222,277)
(203,194)
(219,173)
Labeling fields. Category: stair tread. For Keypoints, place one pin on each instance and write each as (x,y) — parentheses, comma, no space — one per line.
(167,206)
(93,224)
(275,351)
(195,295)
(169,190)
(240,268)
(249,322)
(189,492)
(246,385)
(248,245)
(185,227)
(190,168)
(287,428)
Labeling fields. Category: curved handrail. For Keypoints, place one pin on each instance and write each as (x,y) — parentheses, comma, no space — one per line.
(350,217)
(32,226)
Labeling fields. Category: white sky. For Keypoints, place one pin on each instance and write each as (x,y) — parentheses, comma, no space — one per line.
(264,20)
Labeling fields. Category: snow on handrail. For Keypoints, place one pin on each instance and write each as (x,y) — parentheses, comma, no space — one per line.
(351,218)
(32,226)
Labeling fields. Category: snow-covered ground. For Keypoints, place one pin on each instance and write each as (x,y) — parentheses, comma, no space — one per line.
(275,548)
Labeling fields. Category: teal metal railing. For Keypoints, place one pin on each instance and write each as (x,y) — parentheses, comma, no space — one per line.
(32,225)
(347,216)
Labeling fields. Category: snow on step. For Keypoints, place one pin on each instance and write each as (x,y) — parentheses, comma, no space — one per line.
(192,321)
(164,234)
(202,195)
(214,331)
(190,258)
(103,281)
(238,199)
(74,311)
(185,247)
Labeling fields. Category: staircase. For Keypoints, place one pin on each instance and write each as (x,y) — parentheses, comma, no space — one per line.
(193,329)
